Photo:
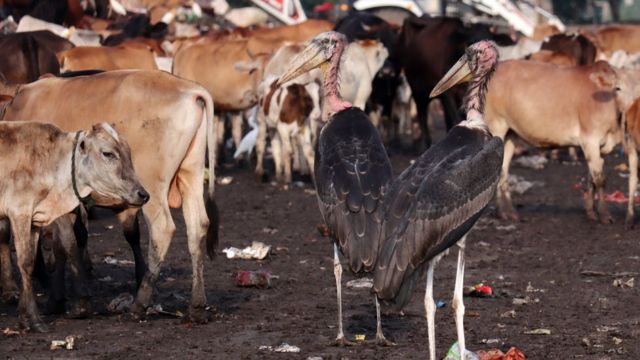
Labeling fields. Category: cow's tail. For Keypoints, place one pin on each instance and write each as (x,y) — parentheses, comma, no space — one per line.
(210,203)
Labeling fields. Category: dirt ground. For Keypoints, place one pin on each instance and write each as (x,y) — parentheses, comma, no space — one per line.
(550,258)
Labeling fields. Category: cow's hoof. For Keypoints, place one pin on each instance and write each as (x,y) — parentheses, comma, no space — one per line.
(196,315)
(138,311)
(34,326)
(80,310)
(10,297)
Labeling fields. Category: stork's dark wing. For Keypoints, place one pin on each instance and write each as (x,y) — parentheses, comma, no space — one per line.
(353,173)
(433,204)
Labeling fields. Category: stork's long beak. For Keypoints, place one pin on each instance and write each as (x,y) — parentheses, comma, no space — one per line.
(460,72)
(310,58)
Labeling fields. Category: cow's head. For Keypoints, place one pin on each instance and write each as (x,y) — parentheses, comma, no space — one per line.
(104,169)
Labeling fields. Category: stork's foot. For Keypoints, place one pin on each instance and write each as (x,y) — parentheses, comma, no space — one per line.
(196,315)
(508,215)
(382,341)
(628,222)
(342,341)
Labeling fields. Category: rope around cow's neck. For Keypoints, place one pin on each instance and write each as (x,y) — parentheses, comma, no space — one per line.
(87,201)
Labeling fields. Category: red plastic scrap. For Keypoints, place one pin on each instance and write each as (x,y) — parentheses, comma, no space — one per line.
(481,290)
(259,279)
(495,354)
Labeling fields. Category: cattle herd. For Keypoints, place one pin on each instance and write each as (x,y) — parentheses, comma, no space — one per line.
(133,114)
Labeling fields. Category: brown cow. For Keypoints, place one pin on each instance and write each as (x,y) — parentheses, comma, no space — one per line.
(28,55)
(46,174)
(552,57)
(107,58)
(167,122)
(549,105)
(612,38)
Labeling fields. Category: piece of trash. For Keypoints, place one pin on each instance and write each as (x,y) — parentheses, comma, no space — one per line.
(506,227)
(113,261)
(121,303)
(491,341)
(68,343)
(298,184)
(524,301)
(616,196)
(624,284)
(10,332)
(269,230)
(105,279)
(538,332)
(314,358)
(158,310)
(282,348)
(532,289)
(258,251)
(362,283)
(479,290)
(491,354)
(309,191)
(536,162)
(454,353)
(260,279)
(510,313)
(323,230)
(622,167)
(225,180)
(519,185)
(440,304)
(360,337)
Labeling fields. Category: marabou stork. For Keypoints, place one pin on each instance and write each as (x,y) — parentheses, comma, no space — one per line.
(352,168)
(434,203)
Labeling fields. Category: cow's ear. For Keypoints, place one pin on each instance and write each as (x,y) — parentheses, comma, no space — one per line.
(604,80)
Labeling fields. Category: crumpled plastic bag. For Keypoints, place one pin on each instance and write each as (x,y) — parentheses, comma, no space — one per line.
(257,251)
(495,354)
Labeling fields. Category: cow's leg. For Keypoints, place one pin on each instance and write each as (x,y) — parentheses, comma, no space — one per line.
(236,128)
(284,131)
(190,180)
(73,250)
(131,229)
(276,149)
(503,195)
(25,240)
(307,149)
(422,104)
(10,292)
(220,121)
(161,230)
(55,259)
(261,144)
(633,182)
(595,163)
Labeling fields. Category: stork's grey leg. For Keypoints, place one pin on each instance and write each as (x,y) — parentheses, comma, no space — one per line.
(380,339)
(430,310)
(337,271)
(458,306)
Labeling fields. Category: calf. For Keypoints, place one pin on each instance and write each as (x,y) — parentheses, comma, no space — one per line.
(554,106)
(107,58)
(46,174)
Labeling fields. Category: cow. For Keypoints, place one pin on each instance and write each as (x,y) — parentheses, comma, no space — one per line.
(107,58)
(428,47)
(576,46)
(46,174)
(235,66)
(28,55)
(168,123)
(552,57)
(618,37)
(362,60)
(554,106)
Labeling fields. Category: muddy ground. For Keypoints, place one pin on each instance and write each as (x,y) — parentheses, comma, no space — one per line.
(547,257)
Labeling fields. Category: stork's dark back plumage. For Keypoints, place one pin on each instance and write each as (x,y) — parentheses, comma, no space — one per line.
(353,173)
(432,204)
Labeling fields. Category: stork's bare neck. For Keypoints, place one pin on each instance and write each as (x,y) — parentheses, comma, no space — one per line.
(333,101)
(486,58)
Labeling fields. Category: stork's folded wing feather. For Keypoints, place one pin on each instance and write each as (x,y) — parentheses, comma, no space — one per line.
(352,175)
(432,205)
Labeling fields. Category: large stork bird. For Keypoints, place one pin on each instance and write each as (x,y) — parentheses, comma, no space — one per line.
(434,203)
(352,168)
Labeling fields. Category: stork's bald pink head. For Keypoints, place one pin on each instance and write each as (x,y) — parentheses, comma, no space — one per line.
(479,61)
